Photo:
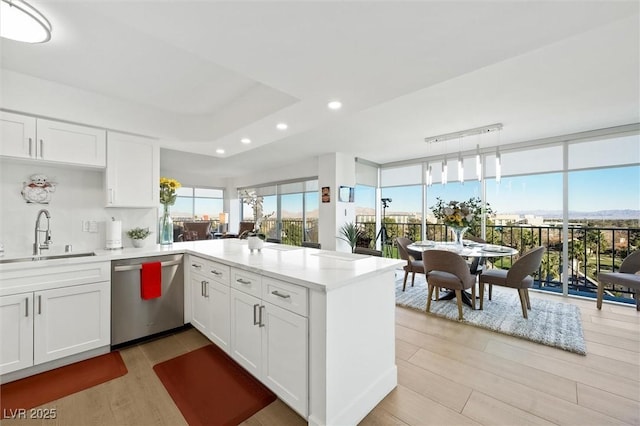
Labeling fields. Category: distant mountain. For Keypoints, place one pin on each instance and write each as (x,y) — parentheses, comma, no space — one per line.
(600,214)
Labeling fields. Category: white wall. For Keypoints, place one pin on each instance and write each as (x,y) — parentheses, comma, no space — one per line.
(79,196)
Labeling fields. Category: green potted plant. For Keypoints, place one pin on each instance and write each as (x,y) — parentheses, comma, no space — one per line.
(350,233)
(138,236)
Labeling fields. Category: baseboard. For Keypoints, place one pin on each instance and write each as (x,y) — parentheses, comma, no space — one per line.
(41,368)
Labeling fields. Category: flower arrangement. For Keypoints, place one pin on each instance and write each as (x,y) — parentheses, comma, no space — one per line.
(455,213)
(138,233)
(168,187)
(255,201)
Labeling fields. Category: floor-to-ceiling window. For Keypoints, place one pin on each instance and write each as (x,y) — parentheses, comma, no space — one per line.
(292,210)
(197,204)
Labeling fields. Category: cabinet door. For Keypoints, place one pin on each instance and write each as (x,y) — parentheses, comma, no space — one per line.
(133,171)
(284,355)
(219,308)
(17,135)
(71,143)
(71,320)
(16,332)
(246,344)
(200,312)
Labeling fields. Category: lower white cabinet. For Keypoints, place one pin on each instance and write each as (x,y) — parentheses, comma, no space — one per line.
(46,325)
(209,283)
(16,332)
(70,320)
(271,343)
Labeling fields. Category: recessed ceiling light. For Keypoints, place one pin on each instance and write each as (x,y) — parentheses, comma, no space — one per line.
(245,140)
(334,105)
(220,151)
(22,22)
(282,126)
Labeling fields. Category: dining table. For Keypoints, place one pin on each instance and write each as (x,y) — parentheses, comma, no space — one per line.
(470,250)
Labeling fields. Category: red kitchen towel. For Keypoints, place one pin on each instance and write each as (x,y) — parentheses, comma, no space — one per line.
(151,280)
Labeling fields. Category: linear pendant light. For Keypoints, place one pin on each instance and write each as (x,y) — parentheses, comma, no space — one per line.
(22,22)
(478,163)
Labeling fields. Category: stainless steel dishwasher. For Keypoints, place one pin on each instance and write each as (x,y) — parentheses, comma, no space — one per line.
(134,318)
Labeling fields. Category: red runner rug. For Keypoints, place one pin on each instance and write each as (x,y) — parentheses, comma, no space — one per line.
(54,384)
(210,388)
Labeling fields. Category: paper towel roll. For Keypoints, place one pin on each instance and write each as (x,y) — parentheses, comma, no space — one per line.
(114,234)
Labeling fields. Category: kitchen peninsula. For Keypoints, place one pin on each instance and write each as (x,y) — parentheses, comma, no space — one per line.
(316,326)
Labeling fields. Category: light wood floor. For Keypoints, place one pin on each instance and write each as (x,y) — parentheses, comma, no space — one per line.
(449,374)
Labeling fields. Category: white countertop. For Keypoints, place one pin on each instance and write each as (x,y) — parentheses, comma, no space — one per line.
(322,270)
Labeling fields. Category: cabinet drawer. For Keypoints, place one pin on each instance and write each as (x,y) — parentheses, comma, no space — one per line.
(286,295)
(213,270)
(247,282)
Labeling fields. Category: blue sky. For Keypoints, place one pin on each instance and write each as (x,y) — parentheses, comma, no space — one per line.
(590,190)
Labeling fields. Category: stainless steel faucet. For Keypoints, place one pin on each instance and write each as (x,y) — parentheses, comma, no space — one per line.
(37,245)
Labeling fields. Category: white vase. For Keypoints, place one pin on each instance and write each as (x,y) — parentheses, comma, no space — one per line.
(255,243)
(138,243)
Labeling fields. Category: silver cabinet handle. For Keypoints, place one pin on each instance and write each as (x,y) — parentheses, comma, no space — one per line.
(216,273)
(241,281)
(255,315)
(203,286)
(39,305)
(41,149)
(260,323)
(277,293)
(195,265)
(30,149)
(206,289)
(139,266)
(26,307)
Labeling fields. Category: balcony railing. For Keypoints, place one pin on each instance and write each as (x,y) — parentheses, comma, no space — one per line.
(591,250)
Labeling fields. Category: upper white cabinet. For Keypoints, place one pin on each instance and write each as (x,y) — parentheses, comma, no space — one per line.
(52,141)
(17,135)
(133,171)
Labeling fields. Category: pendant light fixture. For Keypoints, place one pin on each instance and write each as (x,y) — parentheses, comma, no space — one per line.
(445,171)
(429,175)
(498,165)
(22,22)
(460,162)
(478,163)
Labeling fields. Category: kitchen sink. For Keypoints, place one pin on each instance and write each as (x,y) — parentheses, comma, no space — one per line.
(51,257)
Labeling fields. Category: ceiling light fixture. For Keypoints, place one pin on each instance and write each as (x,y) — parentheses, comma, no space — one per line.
(334,105)
(245,140)
(219,151)
(22,22)
(468,132)
(282,126)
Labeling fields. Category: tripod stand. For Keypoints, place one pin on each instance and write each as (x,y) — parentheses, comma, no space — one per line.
(382,233)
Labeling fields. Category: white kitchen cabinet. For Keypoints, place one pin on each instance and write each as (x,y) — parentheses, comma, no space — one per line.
(51,141)
(51,313)
(16,332)
(70,320)
(268,337)
(210,300)
(17,135)
(133,171)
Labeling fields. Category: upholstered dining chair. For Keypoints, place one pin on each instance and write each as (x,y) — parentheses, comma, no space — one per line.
(517,277)
(446,269)
(413,265)
(369,251)
(626,276)
(310,244)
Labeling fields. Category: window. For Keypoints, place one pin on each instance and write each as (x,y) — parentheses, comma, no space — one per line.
(197,204)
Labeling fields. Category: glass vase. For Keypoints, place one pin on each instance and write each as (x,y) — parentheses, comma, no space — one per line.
(166,226)
(458,234)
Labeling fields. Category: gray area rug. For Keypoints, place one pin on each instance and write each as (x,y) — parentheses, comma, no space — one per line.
(550,323)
